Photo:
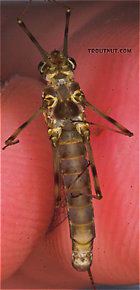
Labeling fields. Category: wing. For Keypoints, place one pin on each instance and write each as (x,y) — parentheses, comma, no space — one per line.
(60,215)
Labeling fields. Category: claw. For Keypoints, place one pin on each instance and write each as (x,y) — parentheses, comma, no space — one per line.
(8,143)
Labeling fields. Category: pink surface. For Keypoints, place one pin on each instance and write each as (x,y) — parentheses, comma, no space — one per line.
(30,258)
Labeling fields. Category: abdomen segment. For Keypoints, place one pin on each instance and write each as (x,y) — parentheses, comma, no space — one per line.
(73,161)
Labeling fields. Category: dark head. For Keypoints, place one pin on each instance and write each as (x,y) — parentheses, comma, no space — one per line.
(57,66)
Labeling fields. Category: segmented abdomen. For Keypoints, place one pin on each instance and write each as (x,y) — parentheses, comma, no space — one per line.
(73,161)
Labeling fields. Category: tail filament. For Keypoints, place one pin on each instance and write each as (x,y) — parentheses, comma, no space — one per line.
(91,279)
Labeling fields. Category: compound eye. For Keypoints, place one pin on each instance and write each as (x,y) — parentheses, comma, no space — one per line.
(43,67)
(72,62)
(40,67)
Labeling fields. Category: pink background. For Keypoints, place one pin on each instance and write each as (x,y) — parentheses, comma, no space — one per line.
(30,258)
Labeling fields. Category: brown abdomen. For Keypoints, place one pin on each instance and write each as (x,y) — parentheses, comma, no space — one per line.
(73,161)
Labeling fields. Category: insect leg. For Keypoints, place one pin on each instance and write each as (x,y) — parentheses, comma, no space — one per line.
(10,140)
(123,130)
(94,171)
(67,191)
(98,125)
(58,192)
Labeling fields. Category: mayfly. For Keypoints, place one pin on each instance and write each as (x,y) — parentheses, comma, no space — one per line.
(63,107)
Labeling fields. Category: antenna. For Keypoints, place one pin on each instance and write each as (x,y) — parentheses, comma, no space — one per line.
(91,279)
(23,26)
(65,49)
(25,9)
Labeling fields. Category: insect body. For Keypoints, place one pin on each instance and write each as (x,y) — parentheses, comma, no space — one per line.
(63,107)
(64,102)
